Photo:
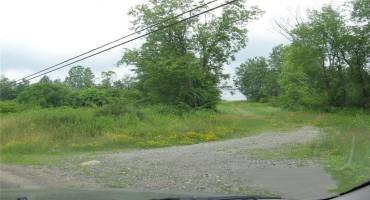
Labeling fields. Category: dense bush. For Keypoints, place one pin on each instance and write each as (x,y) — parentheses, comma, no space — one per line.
(98,97)
(89,97)
(45,95)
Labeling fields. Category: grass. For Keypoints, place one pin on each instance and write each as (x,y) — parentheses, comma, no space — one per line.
(66,130)
(42,136)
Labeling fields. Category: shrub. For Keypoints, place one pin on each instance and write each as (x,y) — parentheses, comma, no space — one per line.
(11,107)
(45,95)
(90,97)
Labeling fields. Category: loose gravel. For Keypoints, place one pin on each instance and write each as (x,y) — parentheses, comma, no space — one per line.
(223,167)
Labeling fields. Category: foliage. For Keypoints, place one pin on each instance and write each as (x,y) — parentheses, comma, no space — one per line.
(325,66)
(45,95)
(178,81)
(9,90)
(48,93)
(299,80)
(11,107)
(107,79)
(328,50)
(80,77)
(127,82)
(182,64)
(45,80)
(90,97)
(255,79)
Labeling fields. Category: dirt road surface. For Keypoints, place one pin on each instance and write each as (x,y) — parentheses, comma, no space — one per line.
(224,167)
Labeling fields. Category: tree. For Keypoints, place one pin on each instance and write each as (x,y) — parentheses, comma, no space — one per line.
(45,80)
(183,64)
(276,58)
(361,11)
(301,79)
(328,59)
(107,78)
(252,78)
(8,89)
(127,82)
(356,53)
(80,77)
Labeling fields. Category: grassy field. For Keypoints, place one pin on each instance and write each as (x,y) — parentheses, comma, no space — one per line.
(41,136)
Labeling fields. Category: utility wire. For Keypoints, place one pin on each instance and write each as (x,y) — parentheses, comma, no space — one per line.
(138,37)
(124,37)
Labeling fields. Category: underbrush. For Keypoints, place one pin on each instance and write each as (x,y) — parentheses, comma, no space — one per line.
(65,129)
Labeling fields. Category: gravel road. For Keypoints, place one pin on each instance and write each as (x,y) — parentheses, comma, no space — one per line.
(224,167)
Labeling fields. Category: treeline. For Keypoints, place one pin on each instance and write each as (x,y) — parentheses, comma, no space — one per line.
(326,65)
(77,90)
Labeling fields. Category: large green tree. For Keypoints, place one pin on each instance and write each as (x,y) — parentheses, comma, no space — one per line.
(329,54)
(252,77)
(80,77)
(183,64)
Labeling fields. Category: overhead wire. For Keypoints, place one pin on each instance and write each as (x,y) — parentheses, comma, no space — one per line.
(130,40)
(119,39)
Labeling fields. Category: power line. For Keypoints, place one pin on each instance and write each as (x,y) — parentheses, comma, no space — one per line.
(124,37)
(138,37)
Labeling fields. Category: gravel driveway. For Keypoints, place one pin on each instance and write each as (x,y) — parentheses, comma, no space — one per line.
(224,167)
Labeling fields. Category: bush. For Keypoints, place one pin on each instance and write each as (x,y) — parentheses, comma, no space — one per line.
(98,97)
(91,97)
(45,95)
(11,107)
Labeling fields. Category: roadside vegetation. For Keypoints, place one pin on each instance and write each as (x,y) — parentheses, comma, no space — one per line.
(44,135)
(321,79)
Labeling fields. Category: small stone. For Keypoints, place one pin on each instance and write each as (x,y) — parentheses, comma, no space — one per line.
(90,163)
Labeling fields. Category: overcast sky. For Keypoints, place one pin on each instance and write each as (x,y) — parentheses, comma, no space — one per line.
(35,34)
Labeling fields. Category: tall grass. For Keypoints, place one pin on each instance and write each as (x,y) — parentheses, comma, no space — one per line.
(61,130)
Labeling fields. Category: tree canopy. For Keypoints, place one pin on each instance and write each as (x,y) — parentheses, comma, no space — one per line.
(80,77)
(326,64)
(183,64)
